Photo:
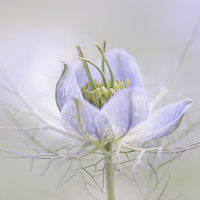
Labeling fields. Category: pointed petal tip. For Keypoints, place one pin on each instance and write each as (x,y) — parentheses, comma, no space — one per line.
(162,122)
(66,87)
(62,67)
(190,101)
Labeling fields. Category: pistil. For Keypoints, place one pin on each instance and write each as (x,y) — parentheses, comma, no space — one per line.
(99,93)
(80,53)
(109,68)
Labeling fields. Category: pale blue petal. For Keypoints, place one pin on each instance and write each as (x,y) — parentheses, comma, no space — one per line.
(125,110)
(123,66)
(82,119)
(164,121)
(66,87)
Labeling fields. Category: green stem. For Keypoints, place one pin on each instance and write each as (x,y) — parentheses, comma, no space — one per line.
(109,174)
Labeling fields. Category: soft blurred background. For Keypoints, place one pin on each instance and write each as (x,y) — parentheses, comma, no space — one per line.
(36,35)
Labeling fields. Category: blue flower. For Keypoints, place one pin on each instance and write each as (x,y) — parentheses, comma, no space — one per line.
(125,114)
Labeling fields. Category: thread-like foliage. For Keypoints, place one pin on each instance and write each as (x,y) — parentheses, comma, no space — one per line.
(82,158)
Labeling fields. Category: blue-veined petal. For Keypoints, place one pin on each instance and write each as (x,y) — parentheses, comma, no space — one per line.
(126,109)
(82,119)
(123,66)
(163,121)
(66,88)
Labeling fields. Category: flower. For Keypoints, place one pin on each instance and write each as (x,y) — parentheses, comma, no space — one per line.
(108,112)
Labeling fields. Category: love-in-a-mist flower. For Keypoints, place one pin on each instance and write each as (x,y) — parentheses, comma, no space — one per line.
(106,102)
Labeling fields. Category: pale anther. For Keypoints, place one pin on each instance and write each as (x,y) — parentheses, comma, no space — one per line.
(118,81)
(95,96)
(111,91)
(103,100)
(105,92)
(127,83)
(121,85)
(115,86)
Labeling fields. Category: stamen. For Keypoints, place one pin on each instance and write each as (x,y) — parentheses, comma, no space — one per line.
(102,100)
(86,95)
(121,85)
(99,85)
(118,81)
(86,85)
(95,96)
(82,90)
(115,86)
(105,92)
(127,83)
(111,91)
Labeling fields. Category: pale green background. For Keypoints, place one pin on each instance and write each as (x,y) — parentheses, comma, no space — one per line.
(36,34)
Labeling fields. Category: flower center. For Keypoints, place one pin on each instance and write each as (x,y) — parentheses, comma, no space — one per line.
(99,93)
